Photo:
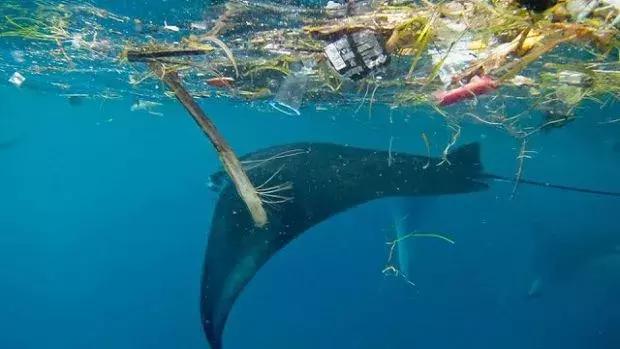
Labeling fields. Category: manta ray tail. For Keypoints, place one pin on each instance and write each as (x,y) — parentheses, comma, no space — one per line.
(551,185)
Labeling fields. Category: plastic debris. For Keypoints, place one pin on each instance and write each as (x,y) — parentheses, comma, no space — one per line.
(569,95)
(138,27)
(18,56)
(17,79)
(172,28)
(202,25)
(356,55)
(394,53)
(476,86)
(290,95)
(332,5)
(574,78)
(521,80)
(148,106)
(221,82)
(453,59)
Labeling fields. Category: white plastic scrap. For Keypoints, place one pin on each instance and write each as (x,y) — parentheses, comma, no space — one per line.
(202,25)
(573,78)
(18,56)
(148,106)
(17,79)
(454,60)
(76,41)
(172,28)
(520,80)
(331,5)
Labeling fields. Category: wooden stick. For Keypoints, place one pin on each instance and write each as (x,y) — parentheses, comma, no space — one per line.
(233,167)
(145,56)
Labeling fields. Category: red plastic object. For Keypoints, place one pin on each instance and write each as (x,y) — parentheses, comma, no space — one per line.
(221,82)
(476,86)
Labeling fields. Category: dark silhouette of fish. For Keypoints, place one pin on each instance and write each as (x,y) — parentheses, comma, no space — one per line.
(305,184)
(560,255)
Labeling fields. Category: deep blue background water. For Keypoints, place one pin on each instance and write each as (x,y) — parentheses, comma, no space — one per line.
(104,215)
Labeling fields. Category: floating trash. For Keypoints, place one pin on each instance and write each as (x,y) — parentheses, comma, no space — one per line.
(172,28)
(290,95)
(17,79)
(221,82)
(416,48)
(148,106)
(202,25)
(18,56)
(477,86)
(356,55)
(574,78)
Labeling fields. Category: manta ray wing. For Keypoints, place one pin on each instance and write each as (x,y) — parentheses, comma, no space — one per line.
(306,183)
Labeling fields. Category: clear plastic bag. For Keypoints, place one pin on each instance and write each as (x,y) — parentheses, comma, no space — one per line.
(289,97)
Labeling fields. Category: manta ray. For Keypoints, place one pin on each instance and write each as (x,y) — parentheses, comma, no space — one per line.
(561,256)
(304,184)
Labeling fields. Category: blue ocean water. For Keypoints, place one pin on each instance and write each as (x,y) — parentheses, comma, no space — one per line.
(105,213)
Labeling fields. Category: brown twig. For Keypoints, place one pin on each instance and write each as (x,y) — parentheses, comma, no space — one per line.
(150,55)
(233,167)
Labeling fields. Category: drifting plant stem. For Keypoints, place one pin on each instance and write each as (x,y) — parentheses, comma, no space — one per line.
(231,163)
